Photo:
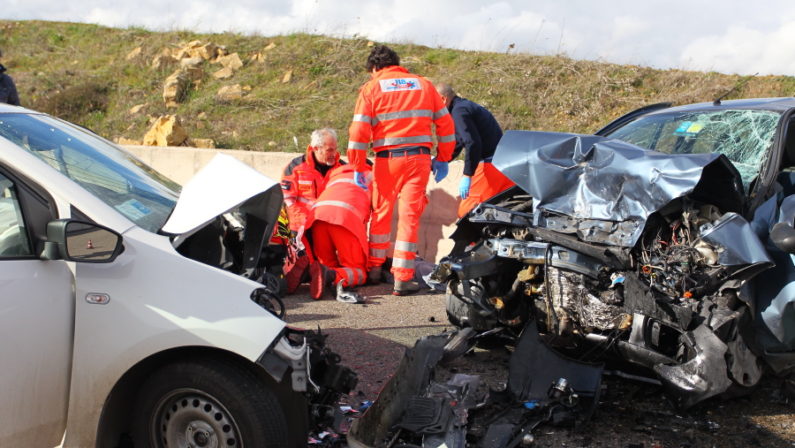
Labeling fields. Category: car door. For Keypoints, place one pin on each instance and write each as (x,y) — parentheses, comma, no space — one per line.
(36,323)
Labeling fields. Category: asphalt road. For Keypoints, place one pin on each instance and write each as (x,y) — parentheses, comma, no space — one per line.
(372,339)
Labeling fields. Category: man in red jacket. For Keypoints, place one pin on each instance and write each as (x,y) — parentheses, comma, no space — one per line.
(303,180)
(336,230)
(305,176)
(395,112)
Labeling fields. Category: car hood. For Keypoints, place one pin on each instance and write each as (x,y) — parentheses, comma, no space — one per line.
(587,177)
(221,186)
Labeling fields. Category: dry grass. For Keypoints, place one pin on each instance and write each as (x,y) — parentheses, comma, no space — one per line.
(79,72)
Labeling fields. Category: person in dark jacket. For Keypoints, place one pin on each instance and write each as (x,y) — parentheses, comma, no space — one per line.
(8,91)
(477,134)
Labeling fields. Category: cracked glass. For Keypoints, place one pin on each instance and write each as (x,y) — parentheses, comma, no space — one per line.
(744,136)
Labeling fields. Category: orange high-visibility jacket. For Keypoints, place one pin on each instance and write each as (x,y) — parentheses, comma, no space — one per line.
(343,203)
(396,109)
(301,184)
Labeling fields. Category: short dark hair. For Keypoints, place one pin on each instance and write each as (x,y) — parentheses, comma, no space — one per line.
(382,56)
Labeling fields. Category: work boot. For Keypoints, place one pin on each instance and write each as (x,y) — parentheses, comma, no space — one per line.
(405,288)
(374,275)
(296,273)
(320,277)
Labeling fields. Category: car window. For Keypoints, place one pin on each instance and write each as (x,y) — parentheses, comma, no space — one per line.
(111,174)
(744,136)
(14,240)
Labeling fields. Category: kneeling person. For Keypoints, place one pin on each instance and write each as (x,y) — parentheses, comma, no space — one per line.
(336,230)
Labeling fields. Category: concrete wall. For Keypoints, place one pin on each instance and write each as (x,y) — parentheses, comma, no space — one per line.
(180,164)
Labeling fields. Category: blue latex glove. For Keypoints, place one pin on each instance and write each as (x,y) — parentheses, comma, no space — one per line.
(359,179)
(463,186)
(439,170)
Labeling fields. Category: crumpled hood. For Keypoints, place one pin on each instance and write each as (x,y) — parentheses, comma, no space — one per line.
(222,185)
(588,177)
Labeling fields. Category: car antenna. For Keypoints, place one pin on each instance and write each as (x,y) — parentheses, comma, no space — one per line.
(740,83)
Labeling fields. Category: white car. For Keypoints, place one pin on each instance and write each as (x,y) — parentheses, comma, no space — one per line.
(126,317)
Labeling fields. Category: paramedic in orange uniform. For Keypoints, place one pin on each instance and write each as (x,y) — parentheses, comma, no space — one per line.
(337,232)
(477,134)
(394,112)
(305,176)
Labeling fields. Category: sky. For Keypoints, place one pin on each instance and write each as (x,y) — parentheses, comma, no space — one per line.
(729,36)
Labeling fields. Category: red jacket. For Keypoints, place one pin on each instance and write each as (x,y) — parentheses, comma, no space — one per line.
(302,183)
(343,203)
(396,109)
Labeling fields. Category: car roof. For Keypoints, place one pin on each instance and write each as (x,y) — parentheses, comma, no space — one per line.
(772,104)
(7,108)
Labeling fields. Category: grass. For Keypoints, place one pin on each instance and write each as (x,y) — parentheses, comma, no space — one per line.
(79,72)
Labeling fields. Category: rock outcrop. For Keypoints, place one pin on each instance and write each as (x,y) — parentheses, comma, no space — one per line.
(167,130)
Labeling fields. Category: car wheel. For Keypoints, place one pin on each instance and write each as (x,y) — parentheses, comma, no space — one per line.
(195,404)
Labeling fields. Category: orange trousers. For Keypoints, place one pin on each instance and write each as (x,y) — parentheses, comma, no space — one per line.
(337,248)
(486,182)
(401,179)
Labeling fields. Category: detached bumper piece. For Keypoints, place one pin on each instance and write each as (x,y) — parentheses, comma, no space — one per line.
(413,409)
(315,371)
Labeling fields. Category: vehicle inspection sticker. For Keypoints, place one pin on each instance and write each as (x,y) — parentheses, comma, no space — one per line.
(689,128)
(133,209)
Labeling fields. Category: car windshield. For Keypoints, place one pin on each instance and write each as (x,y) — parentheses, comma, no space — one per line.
(744,136)
(111,174)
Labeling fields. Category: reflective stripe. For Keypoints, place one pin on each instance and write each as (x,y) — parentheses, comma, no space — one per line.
(417,113)
(339,181)
(363,118)
(405,246)
(379,238)
(377,253)
(440,113)
(290,200)
(401,140)
(403,263)
(357,145)
(446,138)
(344,205)
(360,276)
(348,275)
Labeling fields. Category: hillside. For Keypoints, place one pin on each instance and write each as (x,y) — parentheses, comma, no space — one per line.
(81,73)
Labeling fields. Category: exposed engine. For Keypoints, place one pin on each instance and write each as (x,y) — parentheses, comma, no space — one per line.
(665,304)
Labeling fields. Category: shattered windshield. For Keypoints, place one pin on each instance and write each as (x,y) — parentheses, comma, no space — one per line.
(744,136)
(112,175)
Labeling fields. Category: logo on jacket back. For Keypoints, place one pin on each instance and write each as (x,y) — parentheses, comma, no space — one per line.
(400,84)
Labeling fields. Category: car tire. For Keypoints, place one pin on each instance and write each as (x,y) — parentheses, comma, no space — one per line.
(207,404)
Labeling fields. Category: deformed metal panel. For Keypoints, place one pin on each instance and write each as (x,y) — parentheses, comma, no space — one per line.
(594,178)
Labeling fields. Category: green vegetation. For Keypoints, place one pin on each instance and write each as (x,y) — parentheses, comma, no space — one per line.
(80,72)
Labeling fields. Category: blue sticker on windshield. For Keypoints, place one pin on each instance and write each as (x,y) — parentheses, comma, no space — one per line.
(689,129)
(133,209)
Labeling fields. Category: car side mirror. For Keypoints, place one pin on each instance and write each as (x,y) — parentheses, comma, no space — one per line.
(81,241)
(783,236)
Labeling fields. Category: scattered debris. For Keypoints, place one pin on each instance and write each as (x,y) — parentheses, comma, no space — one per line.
(270,46)
(288,76)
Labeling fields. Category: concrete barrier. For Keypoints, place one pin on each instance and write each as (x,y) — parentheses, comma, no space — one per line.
(180,164)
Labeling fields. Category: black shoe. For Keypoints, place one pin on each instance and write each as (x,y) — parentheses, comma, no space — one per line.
(374,275)
(405,288)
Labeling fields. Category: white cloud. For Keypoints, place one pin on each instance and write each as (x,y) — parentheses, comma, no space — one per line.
(722,35)
(745,51)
